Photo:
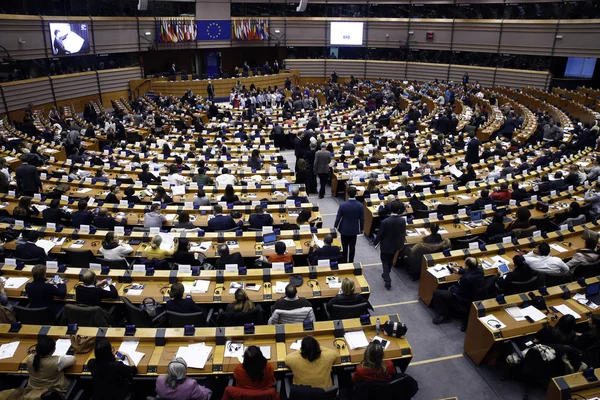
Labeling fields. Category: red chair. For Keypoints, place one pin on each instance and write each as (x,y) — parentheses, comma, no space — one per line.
(235,393)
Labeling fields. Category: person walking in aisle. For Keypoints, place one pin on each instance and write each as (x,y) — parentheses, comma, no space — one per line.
(349,222)
(391,237)
(321,168)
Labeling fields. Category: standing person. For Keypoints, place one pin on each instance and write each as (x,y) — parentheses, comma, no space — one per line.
(391,236)
(472,155)
(349,222)
(210,89)
(28,178)
(321,168)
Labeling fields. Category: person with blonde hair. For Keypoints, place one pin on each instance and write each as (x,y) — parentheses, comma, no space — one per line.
(242,303)
(155,252)
(348,297)
(372,367)
(176,384)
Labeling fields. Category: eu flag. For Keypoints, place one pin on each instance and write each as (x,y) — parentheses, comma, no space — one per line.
(214,30)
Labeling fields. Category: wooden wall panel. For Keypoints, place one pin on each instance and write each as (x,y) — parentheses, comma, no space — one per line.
(302,32)
(485,76)
(345,68)
(441,28)
(29,31)
(533,37)
(115,35)
(115,80)
(307,68)
(426,71)
(386,32)
(75,85)
(579,38)
(386,69)
(19,94)
(515,78)
(476,35)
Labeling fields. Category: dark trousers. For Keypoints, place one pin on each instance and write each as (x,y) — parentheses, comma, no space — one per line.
(323,181)
(348,247)
(442,302)
(387,261)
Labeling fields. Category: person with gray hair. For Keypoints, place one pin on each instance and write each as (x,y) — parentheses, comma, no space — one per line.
(176,384)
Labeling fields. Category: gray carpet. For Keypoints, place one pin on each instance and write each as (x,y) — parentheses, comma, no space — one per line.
(440,366)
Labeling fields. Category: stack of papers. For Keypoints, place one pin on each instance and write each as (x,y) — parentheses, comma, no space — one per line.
(8,350)
(439,271)
(130,347)
(558,248)
(62,346)
(235,286)
(195,355)
(334,282)
(566,310)
(199,286)
(356,340)
(136,289)
(533,313)
(515,312)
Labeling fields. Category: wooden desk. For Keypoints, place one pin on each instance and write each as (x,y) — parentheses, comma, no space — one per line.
(161,345)
(573,386)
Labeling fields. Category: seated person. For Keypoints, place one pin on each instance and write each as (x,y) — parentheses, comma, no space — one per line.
(110,376)
(130,196)
(503,194)
(230,197)
(482,201)
(586,256)
(201,178)
(54,214)
(3,295)
(255,372)
(225,178)
(280,180)
(111,197)
(518,193)
(154,218)
(154,252)
(29,250)
(82,216)
(241,304)
(24,211)
(46,371)
(182,255)
(574,211)
(200,199)
(104,221)
(544,188)
(290,302)
(468,175)
(226,258)
(521,272)
(541,261)
(522,221)
(177,303)
(434,236)
(92,293)
(162,196)
(176,384)
(385,208)
(260,218)
(359,173)
(296,196)
(183,221)
(281,163)
(372,367)
(327,252)
(312,364)
(563,333)
(281,255)
(222,222)
(41,292)
(507,169)
(492,174)
(146,176)
(111,248)
(558,183)
(463,291)
(348,297)
(496,227)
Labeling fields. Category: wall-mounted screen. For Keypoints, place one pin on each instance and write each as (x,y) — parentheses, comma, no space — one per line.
(580,67)
(69,38)
(346,34)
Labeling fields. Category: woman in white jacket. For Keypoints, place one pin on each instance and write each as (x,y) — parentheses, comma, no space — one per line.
(112,250)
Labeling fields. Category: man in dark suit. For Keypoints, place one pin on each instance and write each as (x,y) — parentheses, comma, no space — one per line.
(28,178)
(260,218)
(104,221)
(321,168)
(296,196)
(391,237)
(226,258)
(41,293)
(472,155)
(82,216)
(350,221)
(54,214)
(327,252)
(29,250)
(221,222)
(92,293)
(403,166)
(210,90)
(147,177)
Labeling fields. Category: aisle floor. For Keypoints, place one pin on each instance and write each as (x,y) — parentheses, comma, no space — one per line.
(439,364)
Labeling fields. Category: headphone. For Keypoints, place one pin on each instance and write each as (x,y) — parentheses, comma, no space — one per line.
(218,289)
(339,346)
(267,285)
(307,243)
(312,283)
(494,323)
(95,243)
(164,289)
(569,244)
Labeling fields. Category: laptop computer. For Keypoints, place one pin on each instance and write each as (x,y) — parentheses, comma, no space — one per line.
(292,187)
(592,292)
(476,216)
(269,239)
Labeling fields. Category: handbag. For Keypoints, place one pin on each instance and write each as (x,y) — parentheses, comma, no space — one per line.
(395,329)
(151,307)
(538,301)
(82,344)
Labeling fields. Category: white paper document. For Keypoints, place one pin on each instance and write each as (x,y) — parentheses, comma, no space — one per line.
(439,271)
(492,322)
(581,299)
(195,357)
(47,245)
(200,286)
(566,310)
(533,313)
(516,313)
(8,350)
(135,356)
(558,248)
(15,283)
(234,349)
(296,345)
(62,346)
(266,351)
(167,241)
(129,346)
(280,287)
(356,340)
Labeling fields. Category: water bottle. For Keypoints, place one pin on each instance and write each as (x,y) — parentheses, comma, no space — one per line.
(377,326)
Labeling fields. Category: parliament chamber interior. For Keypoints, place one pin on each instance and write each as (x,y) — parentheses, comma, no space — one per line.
(273,199)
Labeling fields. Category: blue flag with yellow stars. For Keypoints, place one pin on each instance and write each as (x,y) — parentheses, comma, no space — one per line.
(214,30)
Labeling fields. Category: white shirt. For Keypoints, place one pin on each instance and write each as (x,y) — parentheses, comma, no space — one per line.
(225,179)
(358,174)
(176,179)
(546,264)
(281,181)
(118,253)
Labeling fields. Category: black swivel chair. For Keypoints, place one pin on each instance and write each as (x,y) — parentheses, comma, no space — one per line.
(401,387)
(30,261)
(179,320)
(240,318)
(522,287)
(447,209)
(80,258)
(338,311)
(587,271)
(34,316)
(138,317)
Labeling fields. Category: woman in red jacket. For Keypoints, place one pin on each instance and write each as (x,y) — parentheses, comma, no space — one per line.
(255,372)
(373,368)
